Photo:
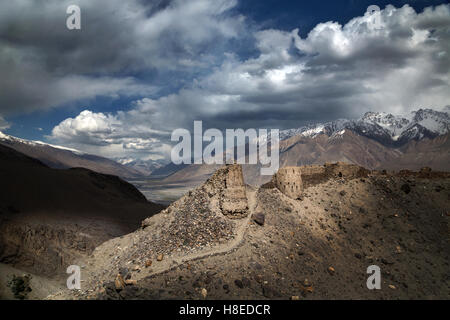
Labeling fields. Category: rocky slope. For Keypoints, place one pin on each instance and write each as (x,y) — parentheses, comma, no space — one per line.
(49,218)
(63,158)
(310,233)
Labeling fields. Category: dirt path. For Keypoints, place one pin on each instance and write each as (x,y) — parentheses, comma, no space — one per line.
(171,262)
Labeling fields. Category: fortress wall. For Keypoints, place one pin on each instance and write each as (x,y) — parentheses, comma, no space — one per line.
(291,181)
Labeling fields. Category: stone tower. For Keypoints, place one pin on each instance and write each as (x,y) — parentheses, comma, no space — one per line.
(228,183)
(289,181)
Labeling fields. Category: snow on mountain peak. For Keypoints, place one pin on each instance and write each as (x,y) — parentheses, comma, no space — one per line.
(6,137)
(383,127)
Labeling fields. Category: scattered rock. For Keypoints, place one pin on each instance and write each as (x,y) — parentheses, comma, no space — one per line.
(331,270)
(259,218)
(119,283)
(124,272)
(130,282)
(160,257)
(406,188)
(204,293)
(257,266)
(20,286)
(239,283)
(246,282)
(148,263)
(268,292)
(391,286)
(295,298)
(426,170)
(306,290)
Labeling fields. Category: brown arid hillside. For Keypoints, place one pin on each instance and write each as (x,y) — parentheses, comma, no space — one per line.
(348,147)
(64,158)
(433,153)
(50,218)
(310,233)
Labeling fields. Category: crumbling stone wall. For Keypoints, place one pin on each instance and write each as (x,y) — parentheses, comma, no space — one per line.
(289,181)
(228,182)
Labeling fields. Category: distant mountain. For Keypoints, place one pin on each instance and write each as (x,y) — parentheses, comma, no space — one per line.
(388,129)
(62,158)
(168,169)
(144,167)
(376,141)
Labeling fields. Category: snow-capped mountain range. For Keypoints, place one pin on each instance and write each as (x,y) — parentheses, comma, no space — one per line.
(31,143)
(391,131)
(383,127)
(62,157)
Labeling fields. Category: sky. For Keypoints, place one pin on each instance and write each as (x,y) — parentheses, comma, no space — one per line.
(139,69)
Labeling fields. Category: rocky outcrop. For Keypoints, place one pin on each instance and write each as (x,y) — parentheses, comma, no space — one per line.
(50,217)
(43,248)
(207,220)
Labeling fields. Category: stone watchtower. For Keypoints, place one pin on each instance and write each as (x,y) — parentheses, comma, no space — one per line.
(228,185)
(289,181)
(234,198)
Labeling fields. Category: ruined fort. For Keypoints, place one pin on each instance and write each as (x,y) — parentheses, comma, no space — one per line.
(228,182)
(291,181)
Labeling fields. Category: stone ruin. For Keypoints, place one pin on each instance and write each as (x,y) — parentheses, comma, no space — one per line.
(291,181)
(228,182)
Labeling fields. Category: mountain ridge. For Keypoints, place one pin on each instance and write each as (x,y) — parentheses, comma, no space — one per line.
(60,157)
(376,141)
(386,128)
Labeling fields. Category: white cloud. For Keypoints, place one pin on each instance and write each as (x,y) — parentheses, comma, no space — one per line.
(110,135)
(49,66)
(336,71)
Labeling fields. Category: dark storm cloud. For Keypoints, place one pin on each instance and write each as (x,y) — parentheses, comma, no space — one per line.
(336,71)
(43,64)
